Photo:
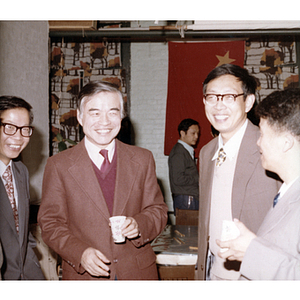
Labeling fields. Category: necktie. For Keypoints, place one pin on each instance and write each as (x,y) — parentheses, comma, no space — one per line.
(7,176)
(221,157)
(105,163)
(276,199)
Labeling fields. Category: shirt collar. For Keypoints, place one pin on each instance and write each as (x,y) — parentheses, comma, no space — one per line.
(232,147)
(93,152)
(189,148)
(284,187)
(3,167)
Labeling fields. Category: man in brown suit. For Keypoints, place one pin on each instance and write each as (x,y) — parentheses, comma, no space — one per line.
(236,186)
(79,197)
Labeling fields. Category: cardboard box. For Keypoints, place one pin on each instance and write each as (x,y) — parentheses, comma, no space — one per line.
(72,25)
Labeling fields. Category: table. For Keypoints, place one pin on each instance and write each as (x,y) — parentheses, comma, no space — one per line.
(176,245)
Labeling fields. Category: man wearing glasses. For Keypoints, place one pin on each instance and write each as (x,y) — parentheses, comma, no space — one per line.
(233,183)
(19,259)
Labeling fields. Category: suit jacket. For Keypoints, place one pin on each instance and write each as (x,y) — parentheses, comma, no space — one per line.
(252,190)
(183,173)
(275,253)
(74,216)
(19,259)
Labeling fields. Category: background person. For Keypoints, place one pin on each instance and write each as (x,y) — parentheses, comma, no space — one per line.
(183,172)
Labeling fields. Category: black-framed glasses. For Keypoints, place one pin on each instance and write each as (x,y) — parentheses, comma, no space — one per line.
(11,129)
(212,99)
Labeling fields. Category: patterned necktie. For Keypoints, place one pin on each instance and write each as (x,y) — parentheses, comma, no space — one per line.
(221,157)
(276,199)
(7,176)
(106,162)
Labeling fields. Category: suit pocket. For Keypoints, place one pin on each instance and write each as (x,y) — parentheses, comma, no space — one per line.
(146,258)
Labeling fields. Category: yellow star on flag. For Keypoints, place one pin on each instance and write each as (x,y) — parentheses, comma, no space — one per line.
(224,59)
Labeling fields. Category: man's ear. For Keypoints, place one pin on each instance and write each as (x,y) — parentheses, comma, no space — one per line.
(288,142)
(182,133)
(78,117)
(249,102)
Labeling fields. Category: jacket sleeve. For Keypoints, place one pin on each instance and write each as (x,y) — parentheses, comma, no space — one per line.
(154,212)
(266,261)
(53,219)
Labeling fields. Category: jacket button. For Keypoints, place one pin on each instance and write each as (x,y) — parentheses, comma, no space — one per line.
(115,260)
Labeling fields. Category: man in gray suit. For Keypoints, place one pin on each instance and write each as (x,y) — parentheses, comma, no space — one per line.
(19,259)
(233,183)
(274,253)
(183,172)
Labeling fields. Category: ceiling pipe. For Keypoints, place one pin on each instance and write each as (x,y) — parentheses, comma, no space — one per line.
(163,35)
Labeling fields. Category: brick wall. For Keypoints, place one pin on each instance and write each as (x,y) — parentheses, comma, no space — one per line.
(148,95)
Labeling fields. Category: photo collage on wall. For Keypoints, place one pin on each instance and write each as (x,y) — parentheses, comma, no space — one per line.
(73,65)
(274,64)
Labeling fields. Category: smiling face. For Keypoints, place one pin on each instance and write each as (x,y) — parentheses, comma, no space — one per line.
(12,145)
(227,119)
(101,118)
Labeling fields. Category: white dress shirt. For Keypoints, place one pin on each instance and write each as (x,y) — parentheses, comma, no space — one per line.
(95,156)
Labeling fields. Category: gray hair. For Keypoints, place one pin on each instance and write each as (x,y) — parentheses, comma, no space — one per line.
(96,87)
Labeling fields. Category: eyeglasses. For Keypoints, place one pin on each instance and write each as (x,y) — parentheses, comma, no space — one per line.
(10,129)
(228,99)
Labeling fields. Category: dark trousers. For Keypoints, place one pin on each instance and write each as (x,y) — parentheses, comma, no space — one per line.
(185,202)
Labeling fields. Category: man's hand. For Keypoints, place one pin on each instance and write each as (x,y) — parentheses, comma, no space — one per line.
(130,228)
(237,247)
(94,262)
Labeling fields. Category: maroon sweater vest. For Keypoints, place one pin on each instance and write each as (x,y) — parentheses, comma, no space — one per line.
(107,182)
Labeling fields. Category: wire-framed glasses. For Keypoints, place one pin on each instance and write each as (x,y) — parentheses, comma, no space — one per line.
(228,99)
(11,129)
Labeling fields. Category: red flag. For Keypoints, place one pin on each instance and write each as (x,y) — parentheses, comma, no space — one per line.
(189,65)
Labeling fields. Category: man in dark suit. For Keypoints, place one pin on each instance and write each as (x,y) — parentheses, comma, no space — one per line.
(183,172)
(233,183)
(19,259)
(274,253)
(79,195)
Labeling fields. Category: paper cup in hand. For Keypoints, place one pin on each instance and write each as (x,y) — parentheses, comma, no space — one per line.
(116,223)
(229,232)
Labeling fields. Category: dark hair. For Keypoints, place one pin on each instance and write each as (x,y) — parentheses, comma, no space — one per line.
(282,110)
(95,87)
(11,102)
(186,124)
(249,82)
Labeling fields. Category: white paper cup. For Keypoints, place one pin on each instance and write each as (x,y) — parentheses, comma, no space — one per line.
(115,224)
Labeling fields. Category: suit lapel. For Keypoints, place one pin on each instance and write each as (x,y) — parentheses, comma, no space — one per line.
(207,180)
(127,170)
(23,197)
(245,166)
(5,206)
(87,180)
(6,209)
